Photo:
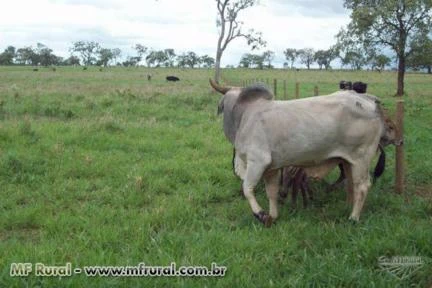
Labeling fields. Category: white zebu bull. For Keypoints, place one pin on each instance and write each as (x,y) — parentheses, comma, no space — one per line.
(268,135)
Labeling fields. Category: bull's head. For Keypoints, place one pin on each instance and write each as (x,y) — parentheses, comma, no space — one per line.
(390,133)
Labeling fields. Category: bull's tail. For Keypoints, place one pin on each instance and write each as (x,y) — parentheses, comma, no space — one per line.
(233,162)
(380,166)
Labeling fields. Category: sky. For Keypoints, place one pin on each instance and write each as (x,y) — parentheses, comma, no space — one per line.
(184,25)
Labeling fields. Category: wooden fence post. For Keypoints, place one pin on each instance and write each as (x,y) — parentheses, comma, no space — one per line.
(297,90)
(275,87)
(284,88)
(316,91)
(400,175)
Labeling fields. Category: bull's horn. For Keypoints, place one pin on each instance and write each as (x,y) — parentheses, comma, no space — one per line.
(219,88)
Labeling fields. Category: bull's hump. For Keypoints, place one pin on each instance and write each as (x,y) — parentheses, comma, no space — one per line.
(358,104)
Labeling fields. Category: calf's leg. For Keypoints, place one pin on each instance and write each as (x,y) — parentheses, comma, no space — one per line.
(286,183)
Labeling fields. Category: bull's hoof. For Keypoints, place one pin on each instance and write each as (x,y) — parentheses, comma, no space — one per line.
(268,221)
(283,195)
(353,219)
(264,218)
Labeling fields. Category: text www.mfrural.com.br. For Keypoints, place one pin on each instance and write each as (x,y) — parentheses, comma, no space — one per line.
(140,270)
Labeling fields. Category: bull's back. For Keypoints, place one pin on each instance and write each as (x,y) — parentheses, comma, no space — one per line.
(307,131)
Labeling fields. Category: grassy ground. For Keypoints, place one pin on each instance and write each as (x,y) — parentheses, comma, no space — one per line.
(106,168)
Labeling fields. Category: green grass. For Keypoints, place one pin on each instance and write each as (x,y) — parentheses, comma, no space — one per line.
(106,168)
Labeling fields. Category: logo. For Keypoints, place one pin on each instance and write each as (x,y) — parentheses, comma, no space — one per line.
(401,267)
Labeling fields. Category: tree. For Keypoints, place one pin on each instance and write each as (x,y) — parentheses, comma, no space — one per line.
(131,61)
(355,59)
(189,59)
(141,51)
(72,61)
(169,57)
(246,60)
(116,53)
(207,61)
(352,50)
(87,50)
(324,58)
(258,61)
(306,56)
(268,57)
(380,62)
(105,56)
(192,59)
(7,57)
(252,61)
(181,60)
(421,58)
(157,58)
(46,57)
(392,24)
(56,60)
(230,28)
(27,56)
(291,55)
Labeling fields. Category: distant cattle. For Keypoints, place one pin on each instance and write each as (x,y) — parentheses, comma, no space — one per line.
(172,78)
(149,77)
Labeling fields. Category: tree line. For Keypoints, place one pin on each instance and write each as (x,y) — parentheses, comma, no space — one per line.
(89,53)
(350,54)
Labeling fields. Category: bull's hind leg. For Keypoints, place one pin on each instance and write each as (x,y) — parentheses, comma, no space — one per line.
(340,180)
(271,180)
(254,171)
(361,181)
(239,167)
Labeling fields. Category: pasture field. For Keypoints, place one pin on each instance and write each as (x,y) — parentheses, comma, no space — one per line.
(106,168)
